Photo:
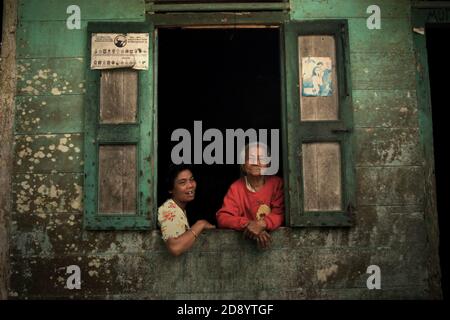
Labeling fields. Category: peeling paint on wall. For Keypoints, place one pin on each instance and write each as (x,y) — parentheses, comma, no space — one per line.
(324,274)
(47,232)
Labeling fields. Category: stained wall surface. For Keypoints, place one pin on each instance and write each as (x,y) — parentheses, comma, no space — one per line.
(47,234)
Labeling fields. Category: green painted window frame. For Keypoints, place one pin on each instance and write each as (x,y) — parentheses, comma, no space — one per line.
(215,6)
(424,15)
(299,132)
(139,134)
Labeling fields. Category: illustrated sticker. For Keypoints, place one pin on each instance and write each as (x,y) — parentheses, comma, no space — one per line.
(316,77)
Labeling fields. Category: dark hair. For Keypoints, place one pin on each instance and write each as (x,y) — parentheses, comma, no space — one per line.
(172,173)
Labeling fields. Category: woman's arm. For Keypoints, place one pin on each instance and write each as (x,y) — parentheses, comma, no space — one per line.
(276,217)
(184,242)
(229,217)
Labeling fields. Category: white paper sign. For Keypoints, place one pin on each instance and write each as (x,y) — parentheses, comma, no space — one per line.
(119,50)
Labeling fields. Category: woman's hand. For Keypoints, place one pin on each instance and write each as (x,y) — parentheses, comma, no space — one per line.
(254,229)
(264,240)
(205,224)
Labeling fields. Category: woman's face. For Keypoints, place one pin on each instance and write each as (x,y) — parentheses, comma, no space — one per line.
(255,161)
(184,187)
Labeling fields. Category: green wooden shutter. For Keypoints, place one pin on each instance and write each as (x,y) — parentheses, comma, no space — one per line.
(119,155)
(321,175)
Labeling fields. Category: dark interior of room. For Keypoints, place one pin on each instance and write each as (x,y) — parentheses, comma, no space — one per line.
(226,78)
(439,69)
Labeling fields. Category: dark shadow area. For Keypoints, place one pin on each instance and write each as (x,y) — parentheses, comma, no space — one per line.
(439,69)
(226,78)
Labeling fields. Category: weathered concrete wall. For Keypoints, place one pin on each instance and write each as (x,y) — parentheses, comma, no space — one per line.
(46,229)
(390,158)
(7,90)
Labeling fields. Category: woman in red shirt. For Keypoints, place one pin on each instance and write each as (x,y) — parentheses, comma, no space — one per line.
(254,203)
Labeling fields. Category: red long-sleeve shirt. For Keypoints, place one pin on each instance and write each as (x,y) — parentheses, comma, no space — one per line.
(240,205)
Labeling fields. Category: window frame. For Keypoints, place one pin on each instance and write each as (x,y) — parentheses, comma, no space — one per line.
(299,132)
(292,134)
(96,134)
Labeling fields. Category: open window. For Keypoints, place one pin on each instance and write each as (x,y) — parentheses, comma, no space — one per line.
(291,76)
(225,78)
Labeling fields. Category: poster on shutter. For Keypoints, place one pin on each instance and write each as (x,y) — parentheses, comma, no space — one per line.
(119,50)
(316,77)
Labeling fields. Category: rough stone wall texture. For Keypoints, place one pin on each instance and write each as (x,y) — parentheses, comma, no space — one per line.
(309,263)
(7,90)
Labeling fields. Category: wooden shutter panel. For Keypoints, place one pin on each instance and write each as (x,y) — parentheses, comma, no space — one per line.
(119,175)
(320,184)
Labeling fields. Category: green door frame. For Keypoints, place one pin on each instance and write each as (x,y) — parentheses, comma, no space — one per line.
(423,14)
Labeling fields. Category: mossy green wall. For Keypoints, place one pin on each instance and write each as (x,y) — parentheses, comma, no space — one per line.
(47,233)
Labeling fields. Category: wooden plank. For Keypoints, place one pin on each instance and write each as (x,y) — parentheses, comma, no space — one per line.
(44,10)
(292,115)
(310,187)
(47,193)
(219,18)
(130,95)
(329,176)
(7,94)
(388,147)
(33,39)
(49,114)
(390,185)
(44,39)
(322,177)
(48,153)
(389,70)
(118,96)
(430,4)
(190,7)
(213,1)
(111,96)
(50,76)
(129,181)
(363,39)
(318,108)
(348,9)
(117,179)
(385,108)
(119,134)
(422,18)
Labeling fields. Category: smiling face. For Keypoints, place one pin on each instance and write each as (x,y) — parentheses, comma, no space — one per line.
(255,161)
(184,187)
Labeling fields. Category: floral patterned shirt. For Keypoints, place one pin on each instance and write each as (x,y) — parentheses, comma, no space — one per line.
(172,220)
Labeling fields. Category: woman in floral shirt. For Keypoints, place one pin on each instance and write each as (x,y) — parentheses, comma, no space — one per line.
(175,229)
